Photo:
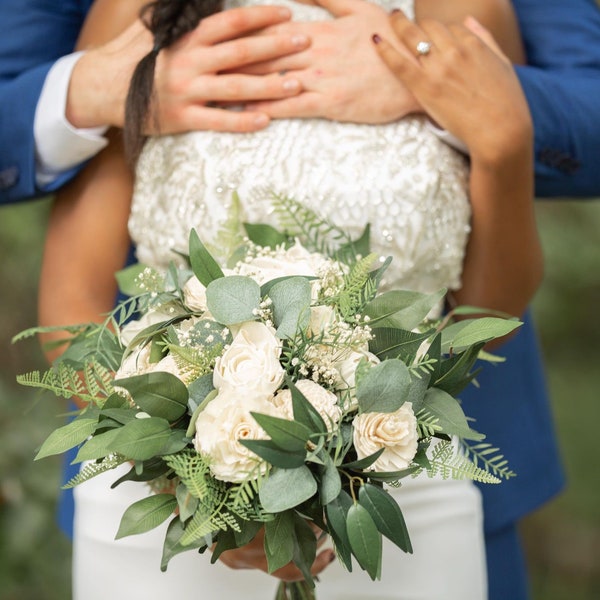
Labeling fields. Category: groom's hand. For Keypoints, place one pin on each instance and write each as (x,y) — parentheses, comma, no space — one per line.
(188,79)
(342,77)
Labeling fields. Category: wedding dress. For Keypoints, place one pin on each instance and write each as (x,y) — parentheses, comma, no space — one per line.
(412,188)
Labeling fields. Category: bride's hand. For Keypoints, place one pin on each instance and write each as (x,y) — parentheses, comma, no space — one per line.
(341,75)
(463,81)
(252,556)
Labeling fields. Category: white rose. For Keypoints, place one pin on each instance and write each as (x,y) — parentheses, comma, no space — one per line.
(396,432)
(136,363)
(194,294)
(347,368)
(324,401)
(225,420)
(131,329)
(251,362)
(322,317)
(168,364)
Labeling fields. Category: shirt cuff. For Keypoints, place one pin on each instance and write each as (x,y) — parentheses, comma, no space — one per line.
(448,138)
(58,145)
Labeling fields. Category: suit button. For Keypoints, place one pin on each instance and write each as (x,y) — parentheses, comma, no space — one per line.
(9,177)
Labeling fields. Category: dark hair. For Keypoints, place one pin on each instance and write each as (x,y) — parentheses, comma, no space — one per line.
(168,20)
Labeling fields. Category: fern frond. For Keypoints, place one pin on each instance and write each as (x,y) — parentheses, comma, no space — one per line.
(95,468)
(229,235)
(298,220)
(358,289)
(427,423)
(447,463)
(490,458)
(34,331)
(98,379)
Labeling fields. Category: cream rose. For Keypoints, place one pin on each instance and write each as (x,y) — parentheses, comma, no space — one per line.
(347,368)
(322,317)
(131,329)
(324,401)
(396,432)
(251,362)
(225,420)
(136,363)
(194,294)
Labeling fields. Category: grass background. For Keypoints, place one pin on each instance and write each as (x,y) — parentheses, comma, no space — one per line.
(562,539)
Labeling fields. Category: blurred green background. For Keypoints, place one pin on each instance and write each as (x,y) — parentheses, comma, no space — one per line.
(562,539)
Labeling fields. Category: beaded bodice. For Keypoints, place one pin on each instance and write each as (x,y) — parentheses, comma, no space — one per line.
(399,177)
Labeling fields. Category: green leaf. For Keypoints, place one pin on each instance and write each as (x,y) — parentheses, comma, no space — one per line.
(336,512)
(349,252)
(186,503)
(395,343)
(402,309)
(172,545)
(146,514)
(199,389)
(205,267)
(469,332)
(305,547)
(97,446)
(364,463)
(160,394)
(291,306)
(288,435)
(66,437)
(384,387)
(304,412)
(274,455)
(233,299)
(455,372)
(451,417)
(365,540)
(330,484)
(287,488)
(264,235)
(127,279)
(142,439)
(386,515)
(279,540)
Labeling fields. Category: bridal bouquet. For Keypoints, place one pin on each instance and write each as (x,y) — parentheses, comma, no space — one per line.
(275,388)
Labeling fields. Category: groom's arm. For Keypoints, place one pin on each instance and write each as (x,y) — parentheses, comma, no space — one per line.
(562,85)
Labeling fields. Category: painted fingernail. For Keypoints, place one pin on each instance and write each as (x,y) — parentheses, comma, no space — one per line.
(376,38)
(394,11)
(332,557)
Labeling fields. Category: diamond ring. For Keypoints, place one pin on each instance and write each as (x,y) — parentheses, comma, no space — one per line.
(423,48)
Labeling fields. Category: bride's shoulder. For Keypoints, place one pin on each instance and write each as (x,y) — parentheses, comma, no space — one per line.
(498,16)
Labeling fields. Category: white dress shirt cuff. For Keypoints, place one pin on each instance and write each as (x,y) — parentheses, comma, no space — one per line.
(448,138)
(59,145)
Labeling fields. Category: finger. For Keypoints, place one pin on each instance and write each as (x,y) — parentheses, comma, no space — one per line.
(416,41)
(242,88)
(229,24)
(340,8)
(483,34)
(303,106)
(289,62)
(203,118)
(249,50)
(405,66)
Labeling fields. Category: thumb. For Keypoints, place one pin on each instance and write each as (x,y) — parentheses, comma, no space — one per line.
(474,26)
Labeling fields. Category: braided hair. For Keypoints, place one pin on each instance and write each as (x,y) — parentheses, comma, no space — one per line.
(168,20)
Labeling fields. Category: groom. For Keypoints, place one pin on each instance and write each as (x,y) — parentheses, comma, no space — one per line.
(562,84)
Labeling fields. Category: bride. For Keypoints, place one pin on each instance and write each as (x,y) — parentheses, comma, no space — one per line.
(447,222)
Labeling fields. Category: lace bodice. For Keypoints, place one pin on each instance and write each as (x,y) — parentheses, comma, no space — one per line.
(399,177)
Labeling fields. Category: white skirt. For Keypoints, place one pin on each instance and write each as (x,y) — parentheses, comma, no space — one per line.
(444,519)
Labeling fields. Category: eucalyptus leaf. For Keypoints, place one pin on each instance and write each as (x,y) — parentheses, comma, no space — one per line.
(365,539)
(264,235)
(288,435)
(146,514)
(330,484)
(274,455)
(291,306)
(279,540)
(386,514)
(198,390)
(142,439)
(287,488)
(451,417)
(384,387)
(336,513)
(233,299)
(160,394)
(205,267)
(127,279)
(466,333)
(402,309)
(66,437)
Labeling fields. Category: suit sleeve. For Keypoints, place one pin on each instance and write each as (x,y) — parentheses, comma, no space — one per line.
(562,85)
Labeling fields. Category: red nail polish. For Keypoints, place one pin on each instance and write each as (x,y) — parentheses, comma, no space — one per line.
(376,39)
(394,11)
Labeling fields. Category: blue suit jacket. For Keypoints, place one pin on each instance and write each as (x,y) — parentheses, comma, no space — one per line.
(562,84)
